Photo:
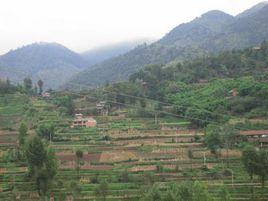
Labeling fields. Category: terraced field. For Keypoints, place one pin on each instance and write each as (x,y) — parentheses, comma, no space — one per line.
(129,153)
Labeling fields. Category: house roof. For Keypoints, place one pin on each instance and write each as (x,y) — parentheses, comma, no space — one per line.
(254,132)
(89,119)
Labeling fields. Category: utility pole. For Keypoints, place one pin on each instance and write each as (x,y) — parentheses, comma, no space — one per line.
(232,178)
(204,156)
(155,118)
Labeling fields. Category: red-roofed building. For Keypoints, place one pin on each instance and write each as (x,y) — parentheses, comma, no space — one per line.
(80,121)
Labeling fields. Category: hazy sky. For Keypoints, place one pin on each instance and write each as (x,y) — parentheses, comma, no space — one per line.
(83,24)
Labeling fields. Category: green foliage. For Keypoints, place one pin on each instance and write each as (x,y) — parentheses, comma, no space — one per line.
(185,191)
(28,85)
(79,154)
(74,188)
(256,163)
(22,133)
(219,137)
(204,97)
(6,87)
(65,101)
(249,156)
(35,153)
(214,101)
(42,164)
(153,194)
(212,138)
(224,194)
(40,85)
(46,131)
(12,155)
(102,190)
(124,177)
(202,103)
(262,164)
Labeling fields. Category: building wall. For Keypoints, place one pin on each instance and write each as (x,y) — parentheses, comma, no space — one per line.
(91,123)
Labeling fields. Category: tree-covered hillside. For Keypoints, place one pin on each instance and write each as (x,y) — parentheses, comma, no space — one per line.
(50,62)
(211,88)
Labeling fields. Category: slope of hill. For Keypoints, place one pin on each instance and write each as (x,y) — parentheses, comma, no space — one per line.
(212,32)
(253,10)
(208,25)
(50,62)
(100,54)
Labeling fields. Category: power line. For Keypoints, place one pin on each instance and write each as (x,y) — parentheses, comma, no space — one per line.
(152,110)
(150,99)
(146,98)
(164,103)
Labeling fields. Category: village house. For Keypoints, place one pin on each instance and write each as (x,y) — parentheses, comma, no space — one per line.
(81,121)
(260,136)
(46,95)
(203,81)
(234,92)
(102,109)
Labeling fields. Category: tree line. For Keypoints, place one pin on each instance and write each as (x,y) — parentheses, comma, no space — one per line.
(27,87)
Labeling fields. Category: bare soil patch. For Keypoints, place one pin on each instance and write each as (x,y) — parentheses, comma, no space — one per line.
(117,156)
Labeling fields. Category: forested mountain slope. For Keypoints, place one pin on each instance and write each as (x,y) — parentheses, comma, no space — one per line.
(212,32)
(230,83)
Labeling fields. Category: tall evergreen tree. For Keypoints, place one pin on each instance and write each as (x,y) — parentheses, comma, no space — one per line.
(40,84)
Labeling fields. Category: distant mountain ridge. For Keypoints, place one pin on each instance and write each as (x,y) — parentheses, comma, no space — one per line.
(253,10)
(54,63)
(51,62)
(100,54)
(209,24)
(214,31)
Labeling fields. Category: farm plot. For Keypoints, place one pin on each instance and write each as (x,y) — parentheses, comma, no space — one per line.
(130,154)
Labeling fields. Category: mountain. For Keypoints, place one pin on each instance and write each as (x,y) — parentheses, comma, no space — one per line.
(214,31)
(253,10)
(208,25)
(51,62)
(100,54)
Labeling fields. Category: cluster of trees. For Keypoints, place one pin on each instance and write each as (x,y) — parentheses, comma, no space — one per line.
(27,87)
(6,87)
(66,103)
(229,64)
(41,160)
(30,89)
(185,191)
(218,137)
(42,164)
(202,104)
(46,131)
(256,163)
